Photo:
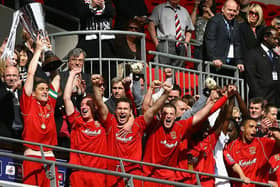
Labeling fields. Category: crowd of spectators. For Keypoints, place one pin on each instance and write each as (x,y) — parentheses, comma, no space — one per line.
(214,132)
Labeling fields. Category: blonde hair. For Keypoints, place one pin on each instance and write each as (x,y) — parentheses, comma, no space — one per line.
(259,10)
(3,64)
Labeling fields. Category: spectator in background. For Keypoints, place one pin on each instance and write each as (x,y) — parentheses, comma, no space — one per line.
(263,68)
(24,58)
(206,10)
(221,39)
(256,108)
(37,106)
(166,25)
(244,6)
(11,122)
(86,135)
(275,22)
(82,86)
(128,46)
(250,29)
(97,15)
(127,10)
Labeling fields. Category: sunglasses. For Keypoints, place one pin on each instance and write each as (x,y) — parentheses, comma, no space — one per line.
(253,13)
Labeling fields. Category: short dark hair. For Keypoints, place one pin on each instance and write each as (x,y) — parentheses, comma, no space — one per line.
(125,100)
(39,80)
(190,99)
(257,100)
(169,105)
(268,107)
(266,32)
(244,121)
(177,87)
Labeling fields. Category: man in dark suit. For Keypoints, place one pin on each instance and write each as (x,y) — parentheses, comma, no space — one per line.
(81,86)
(221,38)
(11,122)
(262,66)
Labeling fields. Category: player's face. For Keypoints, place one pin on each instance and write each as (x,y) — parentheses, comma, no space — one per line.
(11,76)
(230,10)
(86,110)
(122,112)
(181,108)
(118,90)
(272,114)
(173,94)
(168,117)
(255,110)
(249,130)
(41,92)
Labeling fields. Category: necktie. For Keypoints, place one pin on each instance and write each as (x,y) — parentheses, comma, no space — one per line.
(178,29)
(270,55)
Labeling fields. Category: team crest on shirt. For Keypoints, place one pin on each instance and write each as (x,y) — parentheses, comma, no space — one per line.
(252,150)
(97,124)
(173,135)
(48,107)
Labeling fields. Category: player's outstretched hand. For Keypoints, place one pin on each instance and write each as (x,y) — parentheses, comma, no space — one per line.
(156,84)
(167,87)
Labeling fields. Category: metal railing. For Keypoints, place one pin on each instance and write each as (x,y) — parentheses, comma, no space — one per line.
(166,41)
(198,76)
(192,79)
(123,174)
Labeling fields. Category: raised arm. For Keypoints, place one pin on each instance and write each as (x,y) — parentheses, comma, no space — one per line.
(205,111)
(152,111)
(28,85)
(97,96)
(69,106)
(148,96)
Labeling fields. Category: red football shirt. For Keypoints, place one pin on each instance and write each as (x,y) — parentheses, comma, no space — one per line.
(39,124)
(163,147)
(252,157)
(274,172)
(129,146)
(204,150)
(89,137)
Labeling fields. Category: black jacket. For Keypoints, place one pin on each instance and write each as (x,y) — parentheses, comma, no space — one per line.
(217,40)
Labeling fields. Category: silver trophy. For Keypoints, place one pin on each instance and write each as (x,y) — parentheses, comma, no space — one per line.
(33,21)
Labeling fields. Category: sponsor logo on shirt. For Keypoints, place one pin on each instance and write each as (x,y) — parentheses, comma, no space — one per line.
(169,145)
(92,133)
(123,139)
(247,163)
